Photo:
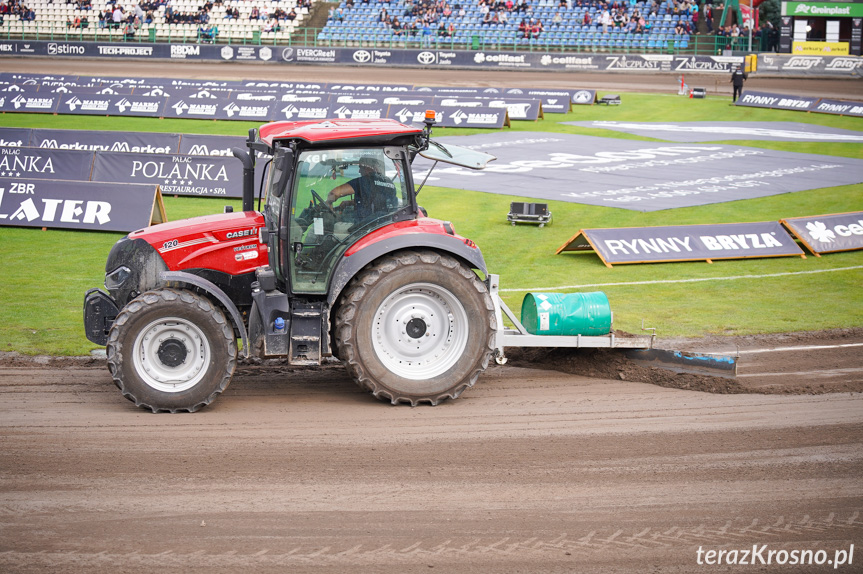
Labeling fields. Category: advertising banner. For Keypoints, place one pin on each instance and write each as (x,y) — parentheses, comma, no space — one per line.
(824,48)
(583,97)
(785,35)
(197,144)
(311,108)
(831,9)
(217,109)
(366,111)
(45,103)
(132,142)
(840,107)
(79,205)
(752,99)
(686,243)
(21,88)
(175,174)
(828,233)
(553,101)
(15,137)
(36,163)
(88,89)
(856,29)
(799,65)
(523,109)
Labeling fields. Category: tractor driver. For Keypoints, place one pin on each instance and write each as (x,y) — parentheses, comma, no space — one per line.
(374,193)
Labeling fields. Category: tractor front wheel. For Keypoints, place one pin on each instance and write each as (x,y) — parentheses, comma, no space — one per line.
(171,350)
(416,327)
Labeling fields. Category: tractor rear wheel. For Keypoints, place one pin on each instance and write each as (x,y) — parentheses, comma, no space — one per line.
(171,350)
(416,327)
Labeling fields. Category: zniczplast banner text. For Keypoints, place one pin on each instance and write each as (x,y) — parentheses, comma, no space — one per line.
(78,205)
(828,233)
(686,243)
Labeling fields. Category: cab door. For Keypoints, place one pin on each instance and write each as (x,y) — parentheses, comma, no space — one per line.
(320,231)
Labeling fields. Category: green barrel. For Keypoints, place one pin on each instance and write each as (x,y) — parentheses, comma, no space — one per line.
(566,313)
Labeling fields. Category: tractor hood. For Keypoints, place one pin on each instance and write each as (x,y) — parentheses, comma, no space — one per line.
(229,242)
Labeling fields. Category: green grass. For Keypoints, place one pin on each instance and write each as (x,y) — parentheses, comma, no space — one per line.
(45,273)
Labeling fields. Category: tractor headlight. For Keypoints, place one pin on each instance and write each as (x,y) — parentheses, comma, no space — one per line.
(116,278)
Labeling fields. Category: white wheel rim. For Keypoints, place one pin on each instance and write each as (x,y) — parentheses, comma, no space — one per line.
(177,333)
(440,346)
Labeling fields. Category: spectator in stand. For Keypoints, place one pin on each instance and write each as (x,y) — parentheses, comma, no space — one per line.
(522,29)
(292,15)
(679,30)
(537,28)
(117,17)
(605,21)
(708,17)
(631,26)
(557,18)
(255,14)
(587,20)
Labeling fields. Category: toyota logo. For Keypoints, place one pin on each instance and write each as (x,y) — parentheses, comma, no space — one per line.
(362,56)
(426,58)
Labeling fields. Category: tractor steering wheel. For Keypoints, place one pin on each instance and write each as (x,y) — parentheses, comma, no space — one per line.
(320,200)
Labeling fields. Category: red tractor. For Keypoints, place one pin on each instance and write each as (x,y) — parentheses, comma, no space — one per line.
(341,262)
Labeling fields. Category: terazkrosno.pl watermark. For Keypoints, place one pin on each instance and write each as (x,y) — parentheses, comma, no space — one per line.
(761,554)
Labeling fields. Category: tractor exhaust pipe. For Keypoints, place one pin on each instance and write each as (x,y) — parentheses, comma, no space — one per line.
(248,159)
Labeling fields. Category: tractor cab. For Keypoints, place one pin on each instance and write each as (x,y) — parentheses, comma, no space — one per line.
(333,183)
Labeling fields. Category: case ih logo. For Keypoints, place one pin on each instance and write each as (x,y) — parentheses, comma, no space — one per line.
(362,56)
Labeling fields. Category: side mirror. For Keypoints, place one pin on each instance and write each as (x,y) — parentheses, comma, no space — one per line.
(282,163)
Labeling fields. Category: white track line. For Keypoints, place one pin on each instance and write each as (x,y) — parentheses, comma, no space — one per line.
(729,278)
(802,348)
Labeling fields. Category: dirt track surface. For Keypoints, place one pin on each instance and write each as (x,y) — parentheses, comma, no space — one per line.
(533,470)
(556,462)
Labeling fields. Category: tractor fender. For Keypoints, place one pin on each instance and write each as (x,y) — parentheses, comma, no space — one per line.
(350,266)
(211,289)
